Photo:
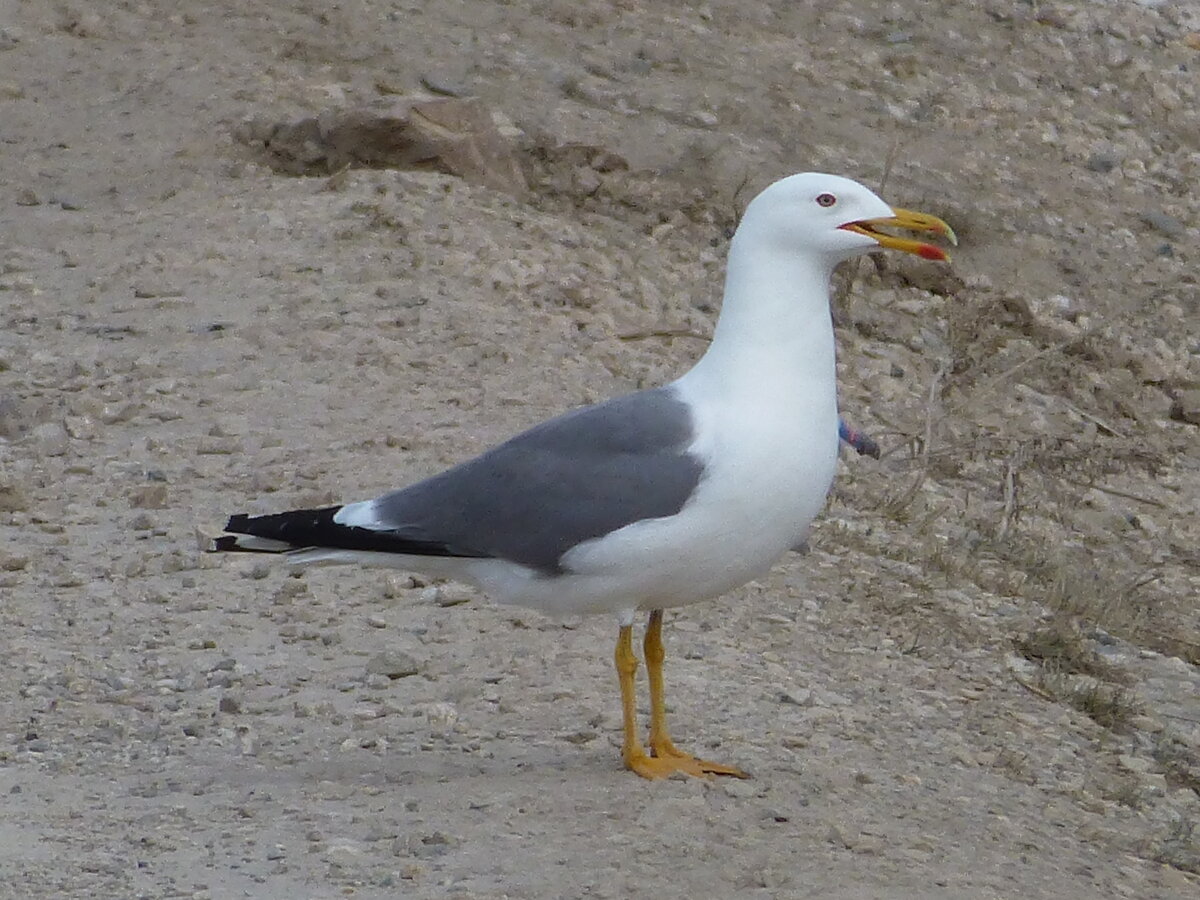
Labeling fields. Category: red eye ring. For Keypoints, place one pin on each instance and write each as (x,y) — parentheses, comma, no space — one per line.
(826,200)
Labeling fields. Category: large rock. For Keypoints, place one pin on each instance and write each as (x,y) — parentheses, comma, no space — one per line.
(446,134)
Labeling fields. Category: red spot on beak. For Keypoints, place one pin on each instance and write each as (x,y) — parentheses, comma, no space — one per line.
(928,251)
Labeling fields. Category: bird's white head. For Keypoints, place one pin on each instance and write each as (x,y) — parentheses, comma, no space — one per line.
(836,218)
(775,314)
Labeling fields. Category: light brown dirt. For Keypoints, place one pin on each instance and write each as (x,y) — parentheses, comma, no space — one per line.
(981,682)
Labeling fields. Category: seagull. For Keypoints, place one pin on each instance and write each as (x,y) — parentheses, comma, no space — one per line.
(656,499)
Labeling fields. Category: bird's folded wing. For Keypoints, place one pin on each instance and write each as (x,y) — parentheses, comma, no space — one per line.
(530,500)
(573,478)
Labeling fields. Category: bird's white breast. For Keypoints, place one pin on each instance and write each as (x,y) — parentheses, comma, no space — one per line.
(769,461)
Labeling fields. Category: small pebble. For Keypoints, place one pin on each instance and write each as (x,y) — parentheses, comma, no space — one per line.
(454,595)
(1101,162)
(441,716)
(149,496)
(738,788)
(1163,223)
(393,664)
(12,498)
(50,439)
(438,83)
(13,562)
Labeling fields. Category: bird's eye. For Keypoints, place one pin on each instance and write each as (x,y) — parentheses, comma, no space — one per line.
(826,200)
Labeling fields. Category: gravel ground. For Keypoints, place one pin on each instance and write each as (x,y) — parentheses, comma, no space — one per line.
(980,682)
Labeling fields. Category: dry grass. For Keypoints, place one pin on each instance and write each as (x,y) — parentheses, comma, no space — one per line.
(1121,603)
(1109,705)
(1015,765)
(1179,762)
(1059,647)
(1071,672)
(1179,847)
(1126,790)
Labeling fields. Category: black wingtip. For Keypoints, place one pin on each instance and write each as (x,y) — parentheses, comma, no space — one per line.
(237,523)
(224,543)
(310,528)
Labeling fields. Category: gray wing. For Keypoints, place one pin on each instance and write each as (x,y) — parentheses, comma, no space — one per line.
(572,478)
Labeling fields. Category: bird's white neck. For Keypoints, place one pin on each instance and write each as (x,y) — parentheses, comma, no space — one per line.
(775,326)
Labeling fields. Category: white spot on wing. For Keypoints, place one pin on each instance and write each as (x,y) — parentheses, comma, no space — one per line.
(253,542)
(363,514)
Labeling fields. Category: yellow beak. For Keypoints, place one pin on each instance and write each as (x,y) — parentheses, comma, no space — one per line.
(910,221)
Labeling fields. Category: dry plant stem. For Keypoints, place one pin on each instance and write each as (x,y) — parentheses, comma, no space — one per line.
(1034,689)
(663,333)
(1150,501)
(1095,420)
(1012,472)
(910,493)
(994,382)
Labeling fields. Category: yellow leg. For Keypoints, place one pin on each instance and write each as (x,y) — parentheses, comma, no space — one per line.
(632,751)
(660,738)
(667,759)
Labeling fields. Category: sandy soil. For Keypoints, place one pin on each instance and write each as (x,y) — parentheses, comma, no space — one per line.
(981,682)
